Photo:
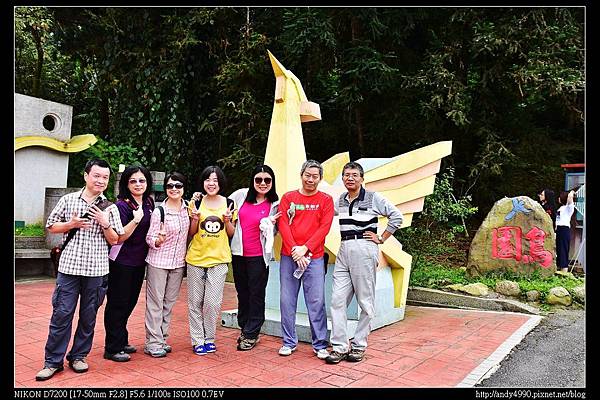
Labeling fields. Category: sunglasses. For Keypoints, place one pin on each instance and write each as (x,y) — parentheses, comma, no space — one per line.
(174,185)
(134,181)
(258,180)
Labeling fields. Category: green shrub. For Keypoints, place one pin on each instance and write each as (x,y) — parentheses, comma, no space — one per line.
(443,208)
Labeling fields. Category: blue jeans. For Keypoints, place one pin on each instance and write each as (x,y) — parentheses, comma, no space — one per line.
(313,284)
(68,290)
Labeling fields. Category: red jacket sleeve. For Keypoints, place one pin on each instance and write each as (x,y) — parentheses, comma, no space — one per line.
(325,220)
(284,223)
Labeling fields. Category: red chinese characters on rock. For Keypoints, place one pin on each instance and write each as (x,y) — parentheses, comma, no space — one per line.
(537,253)
(507,244)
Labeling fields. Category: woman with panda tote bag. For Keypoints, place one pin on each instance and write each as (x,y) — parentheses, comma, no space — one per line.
(208,256)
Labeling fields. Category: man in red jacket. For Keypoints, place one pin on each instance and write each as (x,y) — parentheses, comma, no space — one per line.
(306,216)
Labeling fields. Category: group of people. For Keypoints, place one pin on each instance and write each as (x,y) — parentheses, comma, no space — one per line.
(561,222)
(114,247)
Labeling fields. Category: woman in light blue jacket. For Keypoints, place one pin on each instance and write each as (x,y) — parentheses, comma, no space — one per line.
(252,249)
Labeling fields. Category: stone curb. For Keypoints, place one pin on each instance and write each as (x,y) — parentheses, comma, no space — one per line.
(437,298)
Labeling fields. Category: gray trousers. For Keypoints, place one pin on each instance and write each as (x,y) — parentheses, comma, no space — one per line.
(162,290)
(205,295)
(354,273)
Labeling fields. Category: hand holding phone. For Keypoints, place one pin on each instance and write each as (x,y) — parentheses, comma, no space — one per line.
(197,199)
(80,222)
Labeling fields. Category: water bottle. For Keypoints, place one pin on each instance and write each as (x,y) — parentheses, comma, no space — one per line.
(300,270)
(298,273)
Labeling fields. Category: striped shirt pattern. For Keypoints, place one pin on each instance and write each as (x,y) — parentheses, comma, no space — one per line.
(87,252)
(361,215)
(171,254)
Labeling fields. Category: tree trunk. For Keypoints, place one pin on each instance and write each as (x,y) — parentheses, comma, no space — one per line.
(358,114)
(37,76)
(104,116)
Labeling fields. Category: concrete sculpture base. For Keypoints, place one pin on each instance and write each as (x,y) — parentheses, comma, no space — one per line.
(385,312)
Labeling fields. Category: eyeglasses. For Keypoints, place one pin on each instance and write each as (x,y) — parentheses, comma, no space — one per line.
(174,185)
(134,181)
(258,180)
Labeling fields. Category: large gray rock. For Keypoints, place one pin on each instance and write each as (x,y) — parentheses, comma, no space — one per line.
(533,295)
(559,296)
(476,289)
(516,236)
(578,293)
(508,288)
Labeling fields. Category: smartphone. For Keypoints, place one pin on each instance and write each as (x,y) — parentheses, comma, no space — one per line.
(103,204)
(133,205)
(198,202)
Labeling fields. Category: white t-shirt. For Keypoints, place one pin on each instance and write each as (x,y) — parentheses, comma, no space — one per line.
(563,215)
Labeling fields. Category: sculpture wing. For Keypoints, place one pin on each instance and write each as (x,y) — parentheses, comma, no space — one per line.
(405,180)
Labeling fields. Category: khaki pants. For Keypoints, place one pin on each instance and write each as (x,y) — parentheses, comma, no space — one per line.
(162,290)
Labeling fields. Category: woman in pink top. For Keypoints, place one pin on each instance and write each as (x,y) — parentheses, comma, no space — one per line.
(167,241)
(252,248)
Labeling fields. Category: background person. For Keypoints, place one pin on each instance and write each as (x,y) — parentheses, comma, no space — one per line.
(83,268)
(547,201)
(127,265)
(563,229)
(166,261)
(252,249)
(207,258)
(306,216)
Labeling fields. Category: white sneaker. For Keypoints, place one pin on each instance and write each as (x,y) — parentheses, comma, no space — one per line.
(286,351)
(321,353)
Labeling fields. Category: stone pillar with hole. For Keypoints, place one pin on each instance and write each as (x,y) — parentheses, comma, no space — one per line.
(43,142)
(38,167)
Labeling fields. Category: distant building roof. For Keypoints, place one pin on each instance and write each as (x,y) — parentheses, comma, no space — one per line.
(573,165)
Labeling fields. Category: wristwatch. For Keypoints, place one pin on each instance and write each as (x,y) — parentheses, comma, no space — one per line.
(380,238)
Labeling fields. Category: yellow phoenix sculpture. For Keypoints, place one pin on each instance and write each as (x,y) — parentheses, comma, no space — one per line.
(405,180)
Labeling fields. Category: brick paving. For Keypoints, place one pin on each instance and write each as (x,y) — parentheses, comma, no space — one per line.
(431,347)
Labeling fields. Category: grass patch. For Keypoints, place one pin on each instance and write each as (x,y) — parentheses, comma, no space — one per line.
(435,276)
(533,282)
(30,230)
(437,263)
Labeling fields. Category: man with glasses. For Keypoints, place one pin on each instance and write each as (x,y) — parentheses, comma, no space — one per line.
(83,268)
(356,262)
(306,216)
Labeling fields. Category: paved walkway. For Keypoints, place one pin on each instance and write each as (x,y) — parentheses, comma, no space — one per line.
(431,347)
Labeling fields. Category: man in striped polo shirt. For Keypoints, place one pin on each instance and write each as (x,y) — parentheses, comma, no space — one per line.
(356,262)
